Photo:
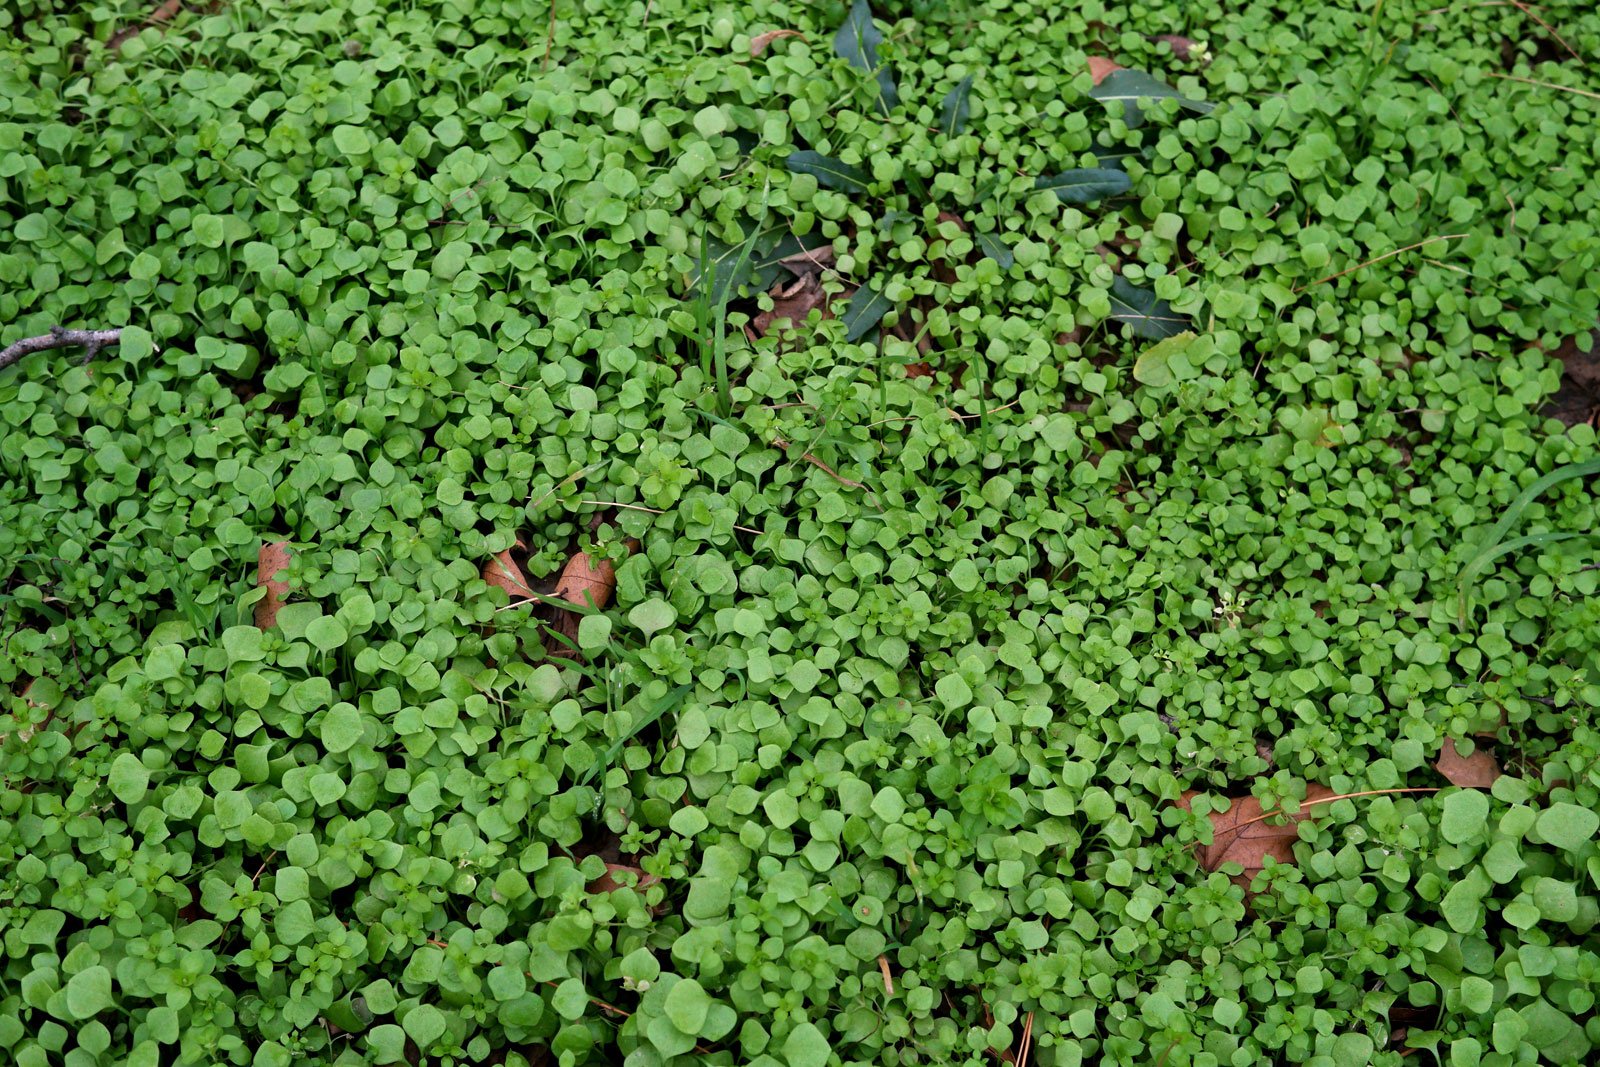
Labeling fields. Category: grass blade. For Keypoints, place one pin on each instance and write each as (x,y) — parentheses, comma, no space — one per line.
(1493,548)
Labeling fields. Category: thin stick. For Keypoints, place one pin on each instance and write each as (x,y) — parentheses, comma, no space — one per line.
(779,442)
(92,341)
(1543,85)
(1520,6)
(888,982)
(1380,259)
(1027,1042)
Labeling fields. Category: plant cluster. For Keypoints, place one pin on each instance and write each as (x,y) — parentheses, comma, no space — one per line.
(1156,456)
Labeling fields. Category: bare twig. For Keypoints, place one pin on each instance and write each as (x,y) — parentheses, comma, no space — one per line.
(92,341)
(780,442)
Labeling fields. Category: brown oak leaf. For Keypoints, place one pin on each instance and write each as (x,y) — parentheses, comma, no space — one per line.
(1477,771)
(760,41)
(1241,835)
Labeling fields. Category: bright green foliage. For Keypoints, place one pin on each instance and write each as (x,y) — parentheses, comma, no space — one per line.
(905,668)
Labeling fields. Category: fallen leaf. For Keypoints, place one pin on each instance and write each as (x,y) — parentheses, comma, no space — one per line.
(587,582)
(1101,68)
(503,571)
(1477,771)
(918,370)
(759,42)
(1240,834)
(273,560)
(1181,46)
(794,302)
(809,260)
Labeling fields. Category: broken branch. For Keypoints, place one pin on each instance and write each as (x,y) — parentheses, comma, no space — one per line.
(92,341)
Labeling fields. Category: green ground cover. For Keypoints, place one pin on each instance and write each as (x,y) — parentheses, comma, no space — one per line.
(987,490)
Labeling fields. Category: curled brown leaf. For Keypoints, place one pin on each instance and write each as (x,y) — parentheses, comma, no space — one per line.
(760,41)
(586,581)
(273,559)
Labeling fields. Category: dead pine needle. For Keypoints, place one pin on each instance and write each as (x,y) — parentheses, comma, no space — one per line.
(1027,1042)
(1551,30)
(1380,259)
(1329,800)
(1544,85)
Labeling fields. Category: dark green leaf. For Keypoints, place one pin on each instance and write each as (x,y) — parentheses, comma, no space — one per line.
(996,250)
(866,309)
(1147,314)
(953,113)
(1086,185)
(1131,86)
(727,270)
(857,44)
(828,171)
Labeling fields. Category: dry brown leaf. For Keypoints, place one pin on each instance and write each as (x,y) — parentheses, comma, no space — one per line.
(759,42)
(918,370)
(587,581)
(809,260)
(584,581)
(1240,834)
(1477,771)
(794,302)
(274,558)
(1101,68)
(503,571)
